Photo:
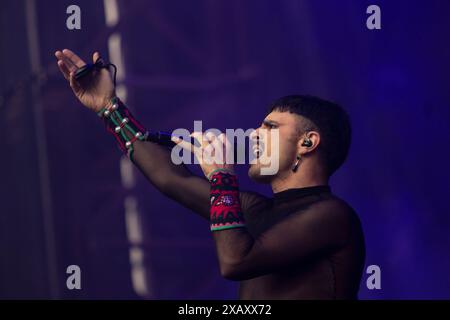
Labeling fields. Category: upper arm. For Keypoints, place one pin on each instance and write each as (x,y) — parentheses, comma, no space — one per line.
(293,240)
(251,202)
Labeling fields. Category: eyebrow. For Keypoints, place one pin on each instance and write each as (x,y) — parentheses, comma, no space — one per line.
(270,123)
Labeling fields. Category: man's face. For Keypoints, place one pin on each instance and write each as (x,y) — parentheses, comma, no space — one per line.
(285,150)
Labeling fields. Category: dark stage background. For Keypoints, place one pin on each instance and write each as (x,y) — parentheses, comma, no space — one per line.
(68,198)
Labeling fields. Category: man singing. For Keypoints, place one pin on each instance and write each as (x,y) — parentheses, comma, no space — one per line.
(304,243)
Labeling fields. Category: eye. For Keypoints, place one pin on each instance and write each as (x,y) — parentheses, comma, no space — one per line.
(269,125)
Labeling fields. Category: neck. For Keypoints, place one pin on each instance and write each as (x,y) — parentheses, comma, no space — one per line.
(300,179)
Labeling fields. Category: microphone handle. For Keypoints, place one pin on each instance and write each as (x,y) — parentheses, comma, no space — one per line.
(161,137)
(164,139)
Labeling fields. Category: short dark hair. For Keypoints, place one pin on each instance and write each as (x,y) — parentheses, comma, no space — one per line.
(328,118)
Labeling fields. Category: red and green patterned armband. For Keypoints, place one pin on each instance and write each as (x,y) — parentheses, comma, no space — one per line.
(225,210)
(120,122)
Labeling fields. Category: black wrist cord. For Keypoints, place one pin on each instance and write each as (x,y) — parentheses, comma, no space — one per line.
(90,67)
(160,137)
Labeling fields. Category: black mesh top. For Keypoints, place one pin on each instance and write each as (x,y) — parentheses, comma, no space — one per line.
(303,243)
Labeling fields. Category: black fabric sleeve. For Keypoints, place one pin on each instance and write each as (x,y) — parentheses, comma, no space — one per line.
(319,228)
(176,181)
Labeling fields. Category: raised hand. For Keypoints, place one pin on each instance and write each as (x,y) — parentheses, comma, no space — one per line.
(94,90)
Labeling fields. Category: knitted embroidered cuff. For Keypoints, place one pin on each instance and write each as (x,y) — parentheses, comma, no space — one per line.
(120,122)
(209,176)
(225,210)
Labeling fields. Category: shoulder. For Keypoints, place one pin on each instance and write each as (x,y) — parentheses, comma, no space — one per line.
(335,206)
(335,211)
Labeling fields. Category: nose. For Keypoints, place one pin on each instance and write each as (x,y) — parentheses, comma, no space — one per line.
(255,135)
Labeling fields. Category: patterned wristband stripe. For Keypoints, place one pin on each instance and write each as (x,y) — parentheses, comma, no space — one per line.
(101,113)
(118,120)
(210,175)
(225,211)
(133,120)
(124,124)
(226,227)
(124,136)
(138,135)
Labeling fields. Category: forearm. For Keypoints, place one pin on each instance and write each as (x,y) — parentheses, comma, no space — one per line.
(154,161)
(233,241)
(174,181)
(302,234)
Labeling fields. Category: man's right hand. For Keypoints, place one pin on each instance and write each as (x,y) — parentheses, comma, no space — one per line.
(94,90)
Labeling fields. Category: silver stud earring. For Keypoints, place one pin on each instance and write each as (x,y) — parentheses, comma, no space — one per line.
(296,164)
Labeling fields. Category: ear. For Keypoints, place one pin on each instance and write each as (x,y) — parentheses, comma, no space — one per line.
(308,142)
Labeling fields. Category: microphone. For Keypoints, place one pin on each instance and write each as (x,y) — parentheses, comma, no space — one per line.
(160,137)
(165,139)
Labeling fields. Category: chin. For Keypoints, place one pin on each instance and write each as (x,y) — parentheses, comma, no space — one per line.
(254,172)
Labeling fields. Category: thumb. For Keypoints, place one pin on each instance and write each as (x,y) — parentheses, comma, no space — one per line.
(95,56)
